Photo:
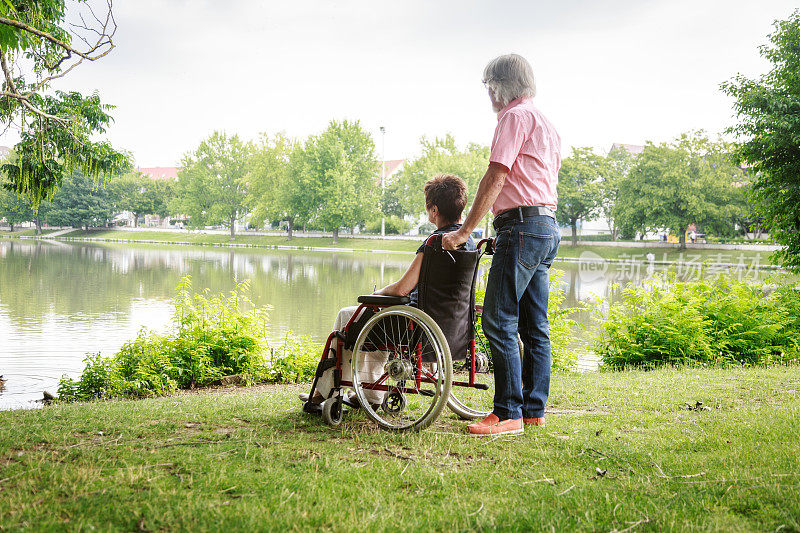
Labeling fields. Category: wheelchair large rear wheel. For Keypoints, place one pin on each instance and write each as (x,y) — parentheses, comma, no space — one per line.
(471,403)
(402,371)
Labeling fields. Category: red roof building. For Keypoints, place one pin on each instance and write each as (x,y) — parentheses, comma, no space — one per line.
(392,166)
(632,149)
(160,173)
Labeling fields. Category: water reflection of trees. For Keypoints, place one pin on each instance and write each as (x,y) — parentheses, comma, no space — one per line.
(305,289)
(582,284)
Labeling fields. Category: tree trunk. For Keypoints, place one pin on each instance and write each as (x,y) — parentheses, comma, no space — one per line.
(10,225)
(335,235)
(614,233)
(682,238)
(352,231)
(574,224)
(233,226)
(38,223)
(136,220)
(289,229)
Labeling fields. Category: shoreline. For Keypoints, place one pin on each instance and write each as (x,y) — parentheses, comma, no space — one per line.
(620,252)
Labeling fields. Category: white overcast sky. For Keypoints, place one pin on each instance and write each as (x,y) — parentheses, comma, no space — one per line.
(607,71)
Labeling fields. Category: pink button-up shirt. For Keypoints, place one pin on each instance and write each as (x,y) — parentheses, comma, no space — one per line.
(527,144)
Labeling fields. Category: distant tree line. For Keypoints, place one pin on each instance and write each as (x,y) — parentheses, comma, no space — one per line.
(665,187)
(332,181)
(80,202)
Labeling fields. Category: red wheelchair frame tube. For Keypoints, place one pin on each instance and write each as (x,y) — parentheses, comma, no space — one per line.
(379,384)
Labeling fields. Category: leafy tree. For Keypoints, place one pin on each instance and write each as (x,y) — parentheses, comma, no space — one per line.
(211,187)
(618,163)
(270,191)
(579,188)
(56,128)
(673,185)
(768,109)
(80,203)
(14,208)
(440,155)
(336,177)
(141,195)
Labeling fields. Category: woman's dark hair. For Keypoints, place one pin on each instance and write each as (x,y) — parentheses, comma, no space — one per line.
(448,193)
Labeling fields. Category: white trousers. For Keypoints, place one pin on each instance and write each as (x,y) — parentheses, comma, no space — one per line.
(371,369)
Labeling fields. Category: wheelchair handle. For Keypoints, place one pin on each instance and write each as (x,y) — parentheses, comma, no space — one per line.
(432,239)
(489,246)
(488,242)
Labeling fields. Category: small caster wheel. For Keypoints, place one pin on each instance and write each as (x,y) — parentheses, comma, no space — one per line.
(481,363)
(332,411)
(394,402)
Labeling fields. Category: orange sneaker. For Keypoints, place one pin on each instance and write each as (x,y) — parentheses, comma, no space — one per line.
(511,426)
(488,421)
(534,421)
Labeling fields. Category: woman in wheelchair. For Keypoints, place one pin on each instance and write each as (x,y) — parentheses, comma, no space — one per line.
(445,199)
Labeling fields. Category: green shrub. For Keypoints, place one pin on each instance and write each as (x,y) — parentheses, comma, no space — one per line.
(563,339)
(213,336)
(295,360)
(708,322)
(393,225)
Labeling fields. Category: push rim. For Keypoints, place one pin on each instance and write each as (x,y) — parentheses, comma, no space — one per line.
(398,353)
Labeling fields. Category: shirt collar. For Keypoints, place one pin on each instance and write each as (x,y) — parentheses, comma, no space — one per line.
(448,226)
(514,103)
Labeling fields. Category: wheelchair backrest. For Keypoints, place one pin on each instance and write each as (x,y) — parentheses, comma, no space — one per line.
(446,291)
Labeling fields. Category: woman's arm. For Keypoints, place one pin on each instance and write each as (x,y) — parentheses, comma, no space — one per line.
(405,284)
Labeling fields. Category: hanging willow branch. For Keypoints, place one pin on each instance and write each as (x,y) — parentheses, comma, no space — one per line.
(55,127)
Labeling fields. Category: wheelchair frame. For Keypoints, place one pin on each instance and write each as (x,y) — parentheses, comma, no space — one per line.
(333,410)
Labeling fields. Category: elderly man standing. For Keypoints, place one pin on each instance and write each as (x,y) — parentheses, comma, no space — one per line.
(520,187)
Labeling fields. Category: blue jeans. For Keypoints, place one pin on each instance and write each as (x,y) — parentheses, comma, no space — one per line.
(516,303)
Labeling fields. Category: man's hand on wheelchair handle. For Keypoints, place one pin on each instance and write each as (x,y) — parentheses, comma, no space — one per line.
(454,239)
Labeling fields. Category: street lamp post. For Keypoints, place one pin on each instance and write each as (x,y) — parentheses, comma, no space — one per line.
(383,177)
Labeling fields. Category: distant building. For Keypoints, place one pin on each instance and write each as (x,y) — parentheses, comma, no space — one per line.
(392,167)
(160,173)
(632,149)
(389,169)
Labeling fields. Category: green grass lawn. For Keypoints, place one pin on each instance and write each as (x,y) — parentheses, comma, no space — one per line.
(670,254)
(345,242)
(636,451)
(205,238)
(28,232)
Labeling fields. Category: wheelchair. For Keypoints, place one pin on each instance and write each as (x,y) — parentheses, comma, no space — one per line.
(409,362)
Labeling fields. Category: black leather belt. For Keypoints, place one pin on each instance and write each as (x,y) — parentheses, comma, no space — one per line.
(518,214)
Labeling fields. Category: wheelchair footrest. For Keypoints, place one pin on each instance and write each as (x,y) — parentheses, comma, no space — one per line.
(312,408)
(351,402)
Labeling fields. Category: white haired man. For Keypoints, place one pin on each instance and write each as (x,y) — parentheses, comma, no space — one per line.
(520,187)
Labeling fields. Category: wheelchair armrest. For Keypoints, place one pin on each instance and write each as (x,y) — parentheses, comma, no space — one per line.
(379,299)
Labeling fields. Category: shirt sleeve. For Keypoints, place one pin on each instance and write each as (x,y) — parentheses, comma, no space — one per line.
(508,139)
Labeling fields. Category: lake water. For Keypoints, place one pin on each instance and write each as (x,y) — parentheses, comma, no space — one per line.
(59,300)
